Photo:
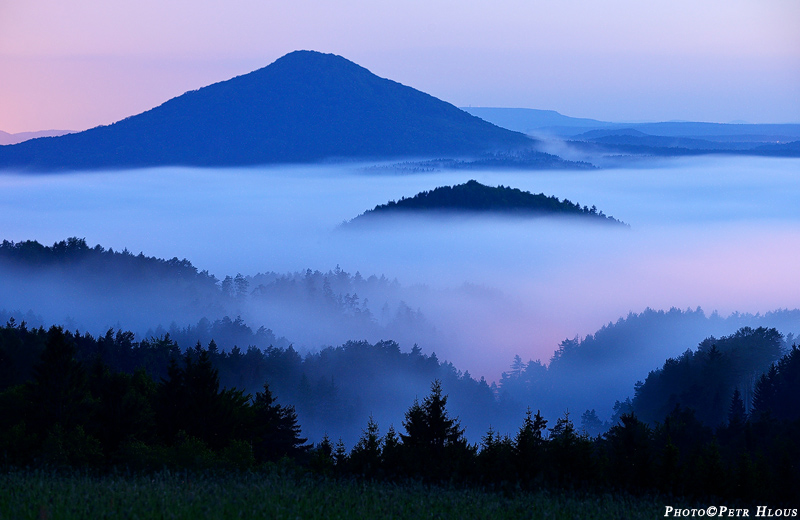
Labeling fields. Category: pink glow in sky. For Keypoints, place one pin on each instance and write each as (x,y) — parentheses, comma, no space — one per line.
(78,64)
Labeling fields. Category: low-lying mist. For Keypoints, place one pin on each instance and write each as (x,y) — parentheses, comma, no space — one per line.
(720,233)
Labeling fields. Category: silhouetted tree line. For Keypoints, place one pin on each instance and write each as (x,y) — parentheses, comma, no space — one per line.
(86,414)
(333,389)
(751,457)
(72,408)
(225,331)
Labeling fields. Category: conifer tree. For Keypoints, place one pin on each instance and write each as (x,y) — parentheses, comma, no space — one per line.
(191,401)
(629,445)
(736,413)
(340,457)
(495,460)
(275,430)
(60,394)
(392,454)
(529,445)
(434,442)
(322,455)
(569,453)
(764,394)
(365,458)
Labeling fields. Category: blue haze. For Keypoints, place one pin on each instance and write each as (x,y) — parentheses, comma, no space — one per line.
(719,233)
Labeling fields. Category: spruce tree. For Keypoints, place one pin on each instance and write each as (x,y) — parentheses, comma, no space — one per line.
(275,430)
(60,393)
(365,458)
(736,413)
(392,455)
(434,442)
(529,445)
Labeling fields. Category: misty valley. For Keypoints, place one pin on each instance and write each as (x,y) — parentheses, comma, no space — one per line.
(242,315)
(312,276)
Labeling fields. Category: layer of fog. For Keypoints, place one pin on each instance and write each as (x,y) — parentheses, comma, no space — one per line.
(719,233)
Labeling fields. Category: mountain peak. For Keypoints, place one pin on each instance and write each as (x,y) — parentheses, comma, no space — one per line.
(308,57)
(306,106)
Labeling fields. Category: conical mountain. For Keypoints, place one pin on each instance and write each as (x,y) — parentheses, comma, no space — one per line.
(304,107)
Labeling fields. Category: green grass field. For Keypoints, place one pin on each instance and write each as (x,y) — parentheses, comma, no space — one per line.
(284,494)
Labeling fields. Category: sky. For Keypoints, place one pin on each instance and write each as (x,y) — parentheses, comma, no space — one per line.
(81,63)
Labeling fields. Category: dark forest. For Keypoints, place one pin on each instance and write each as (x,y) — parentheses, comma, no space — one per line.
(717,421)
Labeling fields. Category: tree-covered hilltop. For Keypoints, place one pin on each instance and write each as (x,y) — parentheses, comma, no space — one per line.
(474,197)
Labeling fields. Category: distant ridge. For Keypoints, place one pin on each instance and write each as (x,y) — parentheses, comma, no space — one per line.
(533,121)
(667,139)
(7,138)
(474,197)
(304,107)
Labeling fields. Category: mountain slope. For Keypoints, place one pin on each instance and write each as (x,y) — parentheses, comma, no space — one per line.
(306,106)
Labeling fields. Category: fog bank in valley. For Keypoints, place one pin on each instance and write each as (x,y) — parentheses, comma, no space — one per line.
(718,233)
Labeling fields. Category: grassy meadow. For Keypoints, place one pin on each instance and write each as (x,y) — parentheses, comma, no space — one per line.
(276,493)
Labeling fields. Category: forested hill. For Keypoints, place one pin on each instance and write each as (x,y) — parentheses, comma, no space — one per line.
(304,107)
(474,197)
(727,369)
(613,359)
(123,265)
(92,288)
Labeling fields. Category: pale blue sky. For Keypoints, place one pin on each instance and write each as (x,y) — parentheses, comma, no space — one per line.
(79,63)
